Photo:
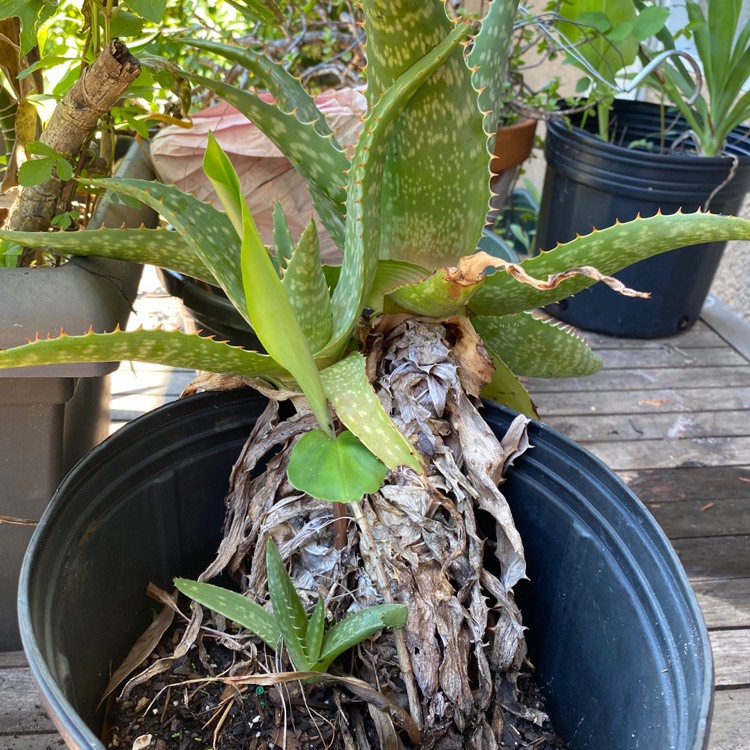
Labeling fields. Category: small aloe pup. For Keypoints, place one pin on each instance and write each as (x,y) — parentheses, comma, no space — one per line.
(392,351)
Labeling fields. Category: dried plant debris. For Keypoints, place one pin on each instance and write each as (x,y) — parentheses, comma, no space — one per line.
(443,543)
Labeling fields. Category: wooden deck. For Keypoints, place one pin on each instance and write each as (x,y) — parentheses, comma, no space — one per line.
(672,417)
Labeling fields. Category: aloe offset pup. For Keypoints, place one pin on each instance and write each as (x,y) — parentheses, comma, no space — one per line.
(394,347)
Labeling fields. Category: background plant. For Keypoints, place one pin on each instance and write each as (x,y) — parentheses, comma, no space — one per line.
(723,47)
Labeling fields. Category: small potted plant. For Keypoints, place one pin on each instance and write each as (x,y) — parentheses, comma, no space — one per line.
(636,158)
(377,482)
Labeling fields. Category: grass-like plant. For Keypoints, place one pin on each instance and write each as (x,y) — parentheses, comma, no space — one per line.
(391,350)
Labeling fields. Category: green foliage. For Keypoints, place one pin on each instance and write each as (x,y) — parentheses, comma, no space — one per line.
(723,46)
(338,469)
(604,38)
(38,171)
(310,647)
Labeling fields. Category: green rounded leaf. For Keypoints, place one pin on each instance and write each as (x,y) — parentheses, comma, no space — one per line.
(340,470)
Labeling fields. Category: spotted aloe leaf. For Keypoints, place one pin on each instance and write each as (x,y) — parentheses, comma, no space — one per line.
(234,607)
(358,626)
(282,237)
(488,61)
(608,250)
(445,292)
(158,247)
(288,610)
(439,139)
(315,157)
(207,231)
(359,408)
(364,219)
(172,348)
(269,310)
(338,469)
(307,290)
(287,91)
(536,347)
(507,389)
(315,631)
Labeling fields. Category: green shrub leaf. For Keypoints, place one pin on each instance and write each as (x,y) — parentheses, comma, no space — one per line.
(339,469)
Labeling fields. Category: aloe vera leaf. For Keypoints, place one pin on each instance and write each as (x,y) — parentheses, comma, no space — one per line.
(535,347)
(488,61)
(337,469)
(608,250)
(505,388)
(288,611)
(391,275)
(315,157)
(158,247)
(359,408)
(282,237)
(205,229)
(234,607)
(171,348)
(358,626)
(441,132)
(286,90)
(443,293)
(307,290)
(315,630)
(364,221)
(270,312)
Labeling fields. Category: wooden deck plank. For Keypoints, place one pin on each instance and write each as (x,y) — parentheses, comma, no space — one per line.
(724,603)
(654,454)
(649,379)
(698,483)
(25,713)
(650,401)
(698,337)
(730,729)
(669,355)
(731,649)
(620,428)
(703,518)
(708,558)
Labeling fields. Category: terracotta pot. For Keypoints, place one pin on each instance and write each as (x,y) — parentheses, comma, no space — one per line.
(513,144)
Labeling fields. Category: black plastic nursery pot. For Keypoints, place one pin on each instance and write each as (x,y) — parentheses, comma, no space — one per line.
(590,183)
(614,629)
(207,310)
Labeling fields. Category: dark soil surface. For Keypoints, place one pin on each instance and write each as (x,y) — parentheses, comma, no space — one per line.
(188,707)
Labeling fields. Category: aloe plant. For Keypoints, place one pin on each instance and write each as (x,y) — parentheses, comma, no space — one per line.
(390,349)
(311,647)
